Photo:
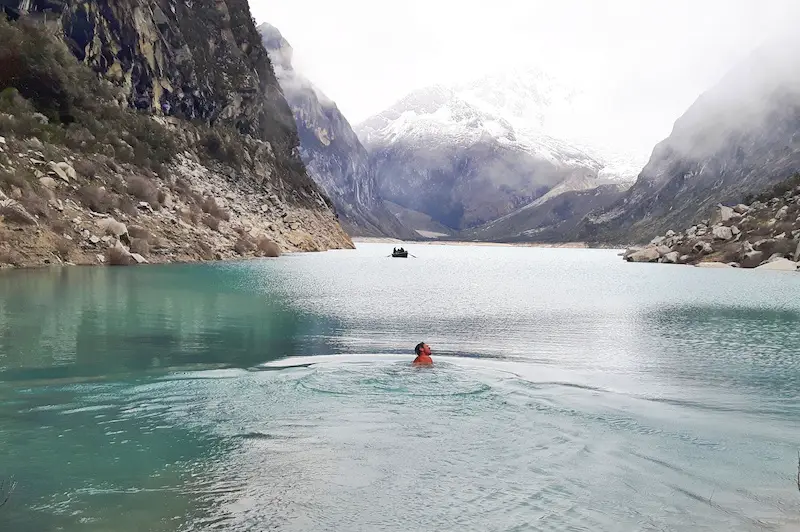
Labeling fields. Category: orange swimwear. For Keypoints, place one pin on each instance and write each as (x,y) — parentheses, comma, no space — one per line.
(423,360)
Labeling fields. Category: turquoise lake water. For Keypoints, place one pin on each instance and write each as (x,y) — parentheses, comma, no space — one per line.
(571,391)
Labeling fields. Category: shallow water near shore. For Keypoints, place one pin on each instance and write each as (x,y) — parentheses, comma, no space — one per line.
(571,391)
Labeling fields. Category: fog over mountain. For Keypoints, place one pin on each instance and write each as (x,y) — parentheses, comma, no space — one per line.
(545,98)
(639,65)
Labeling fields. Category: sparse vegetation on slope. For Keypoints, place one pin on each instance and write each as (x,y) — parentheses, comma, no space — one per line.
(78,167)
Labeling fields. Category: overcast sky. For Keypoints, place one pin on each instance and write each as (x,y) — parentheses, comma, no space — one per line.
(643,62)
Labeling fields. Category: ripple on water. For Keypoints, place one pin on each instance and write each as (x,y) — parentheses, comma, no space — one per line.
(395,379)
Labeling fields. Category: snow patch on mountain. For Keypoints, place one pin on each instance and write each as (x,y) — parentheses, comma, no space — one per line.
(542,108)
(524,109)
(440,115)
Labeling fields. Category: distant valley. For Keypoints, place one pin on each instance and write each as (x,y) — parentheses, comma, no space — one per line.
(484,160)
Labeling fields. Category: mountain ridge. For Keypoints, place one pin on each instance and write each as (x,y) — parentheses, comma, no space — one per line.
(466,165)
(137,131)
(330,149)
(738,137)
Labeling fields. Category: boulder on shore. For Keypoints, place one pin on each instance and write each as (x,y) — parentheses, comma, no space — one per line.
(723,214)
(721,232)
(644,255)
(671,258)
(783,265)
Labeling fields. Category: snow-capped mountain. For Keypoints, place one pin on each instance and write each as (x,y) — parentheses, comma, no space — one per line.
(538,106)
(436,153)
(331,151)
(472,153)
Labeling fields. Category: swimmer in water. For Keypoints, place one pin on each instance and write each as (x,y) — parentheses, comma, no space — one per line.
(423,352)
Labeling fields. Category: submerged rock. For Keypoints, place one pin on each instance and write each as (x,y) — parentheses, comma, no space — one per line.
(712,265)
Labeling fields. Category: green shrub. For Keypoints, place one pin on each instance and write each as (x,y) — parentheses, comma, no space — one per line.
(96,198)
(12,179)
(243,246)
(143,189)
(39,74)
(775,191)
(140,246)
(43,71)
(211,222)
(224,145)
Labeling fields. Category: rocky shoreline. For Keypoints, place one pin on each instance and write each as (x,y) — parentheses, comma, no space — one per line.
(763,235)
(72,209)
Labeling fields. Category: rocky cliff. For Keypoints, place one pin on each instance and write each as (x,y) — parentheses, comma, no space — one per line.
(764,234)
(737,138)
(332,152)
(179,99)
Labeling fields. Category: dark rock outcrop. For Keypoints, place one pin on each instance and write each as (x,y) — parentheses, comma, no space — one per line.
(200,60)
(736,139)
(333,155)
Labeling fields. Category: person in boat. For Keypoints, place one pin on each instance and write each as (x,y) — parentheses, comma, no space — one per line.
(394,251)
(423,352)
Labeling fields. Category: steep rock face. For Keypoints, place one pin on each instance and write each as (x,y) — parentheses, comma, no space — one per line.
(200,60)
(172,62)
(737,138)
(436,153)
(332,152)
